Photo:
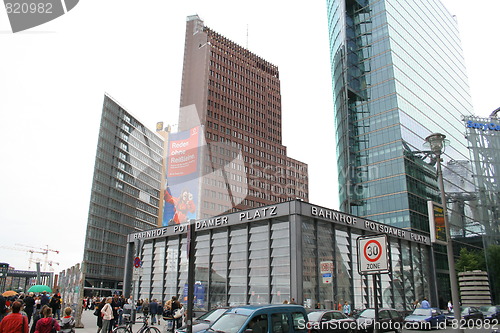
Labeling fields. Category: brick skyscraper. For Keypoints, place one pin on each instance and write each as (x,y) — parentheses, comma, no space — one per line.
(235,94)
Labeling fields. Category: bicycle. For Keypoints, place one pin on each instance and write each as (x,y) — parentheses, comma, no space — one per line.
(127,328)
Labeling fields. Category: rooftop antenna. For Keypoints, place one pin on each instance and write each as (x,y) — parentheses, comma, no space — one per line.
(247,36)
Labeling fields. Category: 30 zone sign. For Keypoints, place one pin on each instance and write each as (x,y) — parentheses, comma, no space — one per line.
(372,254)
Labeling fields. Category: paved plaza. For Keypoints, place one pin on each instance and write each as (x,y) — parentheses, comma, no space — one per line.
(89,322)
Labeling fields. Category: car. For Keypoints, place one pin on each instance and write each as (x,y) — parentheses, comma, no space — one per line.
(283,318)
(422,319)
(490,312)
(329,321)
(469,315)
(388,320)
(203,322)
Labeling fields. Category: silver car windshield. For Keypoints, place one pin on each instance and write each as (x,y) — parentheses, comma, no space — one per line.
(229,323)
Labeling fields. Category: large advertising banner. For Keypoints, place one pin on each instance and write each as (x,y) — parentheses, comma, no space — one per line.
(182,177)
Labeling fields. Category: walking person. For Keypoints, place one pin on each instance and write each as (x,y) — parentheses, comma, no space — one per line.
(47,324)
(55,304)
(159,314)
(15,322)
(97,312)
(29,306)
(153,310)
(107,317)
(425,304)
(116,304)
(346,309)
(44,299)
(174,306)
(37,316)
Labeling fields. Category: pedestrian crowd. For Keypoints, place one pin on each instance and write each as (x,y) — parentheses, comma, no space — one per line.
(41,313)
(116,310)
(35,313)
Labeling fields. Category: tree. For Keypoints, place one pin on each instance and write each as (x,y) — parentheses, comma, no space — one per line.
(493,259)
(470,261)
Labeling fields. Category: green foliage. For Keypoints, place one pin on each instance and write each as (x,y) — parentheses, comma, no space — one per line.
(493,258)
(470,261)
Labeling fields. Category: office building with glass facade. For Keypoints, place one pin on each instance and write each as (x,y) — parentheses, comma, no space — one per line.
(398,75)
(274,253)
(125,194)
(483,137)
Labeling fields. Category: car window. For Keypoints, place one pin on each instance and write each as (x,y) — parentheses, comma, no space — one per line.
(229,323)
(327,317)
(421,312)
(384,314)
(279,323)
(368,313)
(212,315)
(394,314)
(299,320)
(258,324)
(338,315)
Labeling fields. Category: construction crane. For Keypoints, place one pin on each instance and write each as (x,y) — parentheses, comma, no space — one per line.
(45,251)
(30,260)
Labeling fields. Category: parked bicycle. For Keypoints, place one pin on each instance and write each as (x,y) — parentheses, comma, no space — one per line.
(127,327)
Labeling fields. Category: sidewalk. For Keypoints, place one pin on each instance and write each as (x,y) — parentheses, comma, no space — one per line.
(90,324)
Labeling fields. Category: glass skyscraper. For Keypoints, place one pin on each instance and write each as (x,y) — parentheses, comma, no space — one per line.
(125,196)
(398,75)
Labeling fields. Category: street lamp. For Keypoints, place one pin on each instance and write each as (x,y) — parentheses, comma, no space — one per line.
(436,142)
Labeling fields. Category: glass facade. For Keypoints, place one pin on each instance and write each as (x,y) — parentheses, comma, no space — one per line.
(483,136)
(269,259)
(398,75)
(125,195)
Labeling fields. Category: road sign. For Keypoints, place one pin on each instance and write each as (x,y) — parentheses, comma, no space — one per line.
(327,271)
(137,262)
(372,254)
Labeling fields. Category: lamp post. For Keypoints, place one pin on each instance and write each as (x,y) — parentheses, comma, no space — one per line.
(436,142)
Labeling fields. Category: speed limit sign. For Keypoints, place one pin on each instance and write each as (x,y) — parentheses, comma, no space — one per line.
(372,254)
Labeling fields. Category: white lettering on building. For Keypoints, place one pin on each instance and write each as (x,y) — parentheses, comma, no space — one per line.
(333,215)
(258,213)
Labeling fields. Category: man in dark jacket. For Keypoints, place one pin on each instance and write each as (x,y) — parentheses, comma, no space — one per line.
(44,299)
(116,305)
(55,304)
(3,307)
(29,306)
(153,310)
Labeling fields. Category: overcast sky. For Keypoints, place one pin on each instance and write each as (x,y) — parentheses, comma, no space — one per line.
(53,78)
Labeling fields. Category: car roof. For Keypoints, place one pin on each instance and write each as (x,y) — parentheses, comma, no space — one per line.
(249,309)
(322,310)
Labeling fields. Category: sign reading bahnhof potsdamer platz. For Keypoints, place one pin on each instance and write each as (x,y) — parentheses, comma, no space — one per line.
(275,253)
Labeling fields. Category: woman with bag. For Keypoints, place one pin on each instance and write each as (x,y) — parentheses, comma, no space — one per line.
(97,312)
(175,307)
(47,324)
(107,315)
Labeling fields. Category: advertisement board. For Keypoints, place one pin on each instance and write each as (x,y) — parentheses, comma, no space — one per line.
(436,223)
(181,196)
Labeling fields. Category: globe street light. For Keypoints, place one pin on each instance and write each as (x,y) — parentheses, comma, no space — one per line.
(437,142)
